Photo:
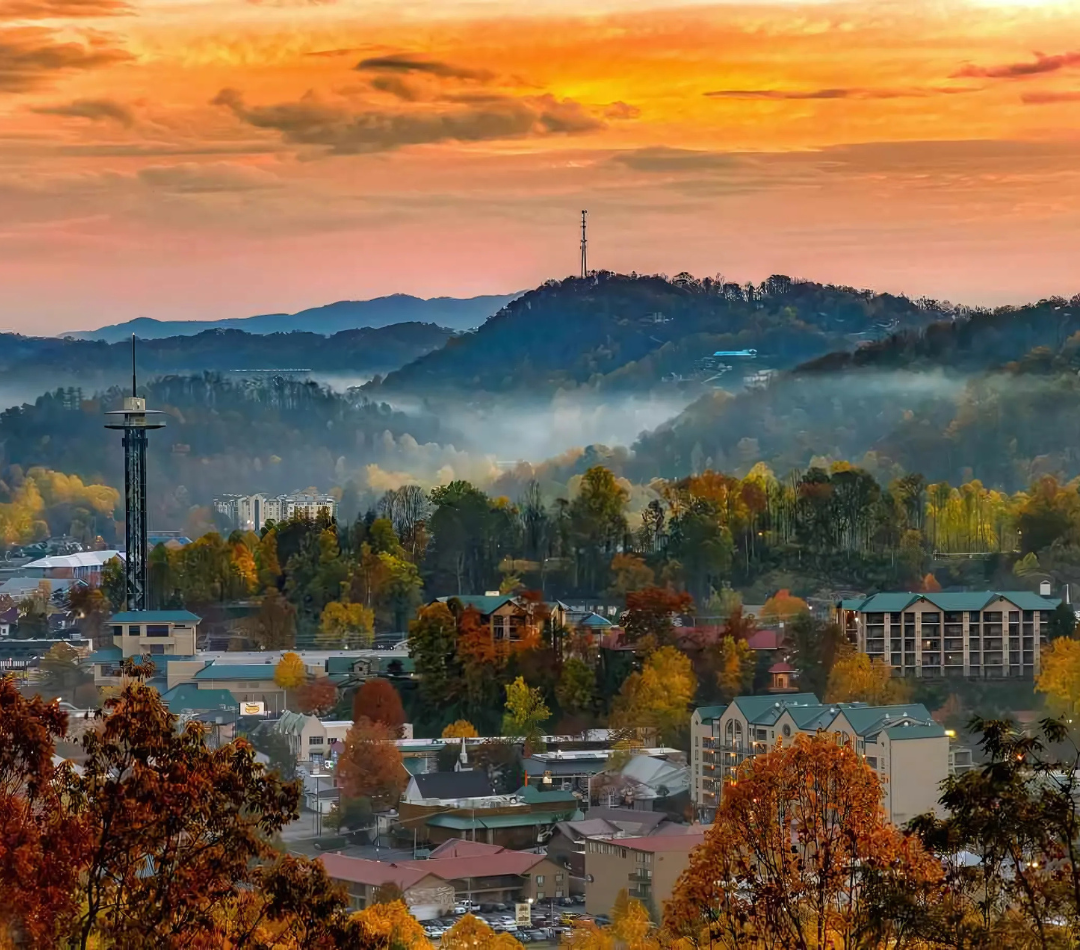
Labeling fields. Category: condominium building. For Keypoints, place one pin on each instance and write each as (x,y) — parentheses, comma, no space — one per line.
(252,512)
(977,634)
(908,751)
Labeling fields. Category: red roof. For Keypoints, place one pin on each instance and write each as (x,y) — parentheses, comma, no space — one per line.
(661,843)
(764,640)
(374,873)
(782,667)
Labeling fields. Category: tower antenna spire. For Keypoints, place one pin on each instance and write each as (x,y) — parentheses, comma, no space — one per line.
(134,391)
(584,247)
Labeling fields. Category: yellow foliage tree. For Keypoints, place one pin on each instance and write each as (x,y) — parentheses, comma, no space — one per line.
(783,607)
(1060,676)
(735,669)
(290,673)
(394,926)
(471,933)
(656,699)
(346,624)
(855,678)
(460,729)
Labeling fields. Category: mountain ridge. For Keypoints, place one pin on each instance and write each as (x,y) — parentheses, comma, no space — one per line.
(454,313)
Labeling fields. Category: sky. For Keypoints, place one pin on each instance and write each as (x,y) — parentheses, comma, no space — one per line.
(221,158)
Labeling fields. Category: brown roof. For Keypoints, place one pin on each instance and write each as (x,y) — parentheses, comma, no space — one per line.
(659,843)
(782,667)
(461,848)
(478,865)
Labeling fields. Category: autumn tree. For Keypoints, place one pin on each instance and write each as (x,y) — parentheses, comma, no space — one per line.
(91,609)
(393,926)
(856,678)
(370,765)
(786,864)
(735,668)
(62,672)
(1059,677)
(460,729)
(783,607)
(346,625)
(316,696)
(598,523)
(158,841)
(274,626)
(628,573)
(656,700)
(471,933)
(526,712)
(650,616)
(378,702)
(290,672)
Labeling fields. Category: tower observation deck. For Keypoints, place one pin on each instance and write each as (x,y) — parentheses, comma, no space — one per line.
(135,420)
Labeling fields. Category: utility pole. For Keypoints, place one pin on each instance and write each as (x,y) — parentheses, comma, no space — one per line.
(584,247)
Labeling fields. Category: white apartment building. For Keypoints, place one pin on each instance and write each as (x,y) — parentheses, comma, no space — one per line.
(902,744)
(251,512)
(977,634)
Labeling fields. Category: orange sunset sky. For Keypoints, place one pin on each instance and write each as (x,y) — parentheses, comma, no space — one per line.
(180,159)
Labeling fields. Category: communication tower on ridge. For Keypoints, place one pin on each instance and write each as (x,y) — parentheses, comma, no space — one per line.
(584,247)
(134,422)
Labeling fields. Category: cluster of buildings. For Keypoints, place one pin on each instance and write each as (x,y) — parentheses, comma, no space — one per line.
(252,512)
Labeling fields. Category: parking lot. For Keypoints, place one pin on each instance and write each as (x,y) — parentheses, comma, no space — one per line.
(550,920)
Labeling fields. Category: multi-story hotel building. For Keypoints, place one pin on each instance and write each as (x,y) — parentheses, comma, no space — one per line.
(908,751)
(978,634)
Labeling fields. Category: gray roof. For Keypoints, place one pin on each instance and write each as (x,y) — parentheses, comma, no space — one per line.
(467,784)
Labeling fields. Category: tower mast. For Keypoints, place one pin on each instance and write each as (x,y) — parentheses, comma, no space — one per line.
(584,247)
(134,422)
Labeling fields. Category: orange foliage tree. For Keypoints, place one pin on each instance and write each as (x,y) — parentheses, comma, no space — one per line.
(471,933)
(799,847)
(371,766)
(378,701)
(317,696)
(158,842)
(394,926)
(650,614)
(783,607)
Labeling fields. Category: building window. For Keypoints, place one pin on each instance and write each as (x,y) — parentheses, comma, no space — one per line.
(539,895)
(134,630)
(558,878)
(157,649)
(117,630)
(157,630)
(786,731)
(558,893)
(540,880)
(315,740)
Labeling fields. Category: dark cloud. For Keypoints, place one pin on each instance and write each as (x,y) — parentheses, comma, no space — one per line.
(204,178)
(397,86)
(406,63)
(663,160)
(1049,98)
(30,57)
(96,110)
(785,95)
(351,51)
(61,9)
(344,130)
(1041,65)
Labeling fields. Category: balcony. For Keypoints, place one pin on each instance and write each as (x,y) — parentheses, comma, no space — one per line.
(640,876)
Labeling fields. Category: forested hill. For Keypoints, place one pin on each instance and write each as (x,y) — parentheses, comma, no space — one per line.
(994,396)
(629,332)
(91,362)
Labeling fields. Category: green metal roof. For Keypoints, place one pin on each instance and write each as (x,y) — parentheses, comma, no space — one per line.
(533,795)
(765,709)
(869,720)
(340,664)
(236,671)
(709,713)
(935,731)
(189,696)
(950,601)
(415,764)
(485,603)
(155,616)
(595,620)
(106,655)
(462,823)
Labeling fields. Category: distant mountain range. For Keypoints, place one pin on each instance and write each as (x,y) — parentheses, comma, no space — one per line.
(451,312)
